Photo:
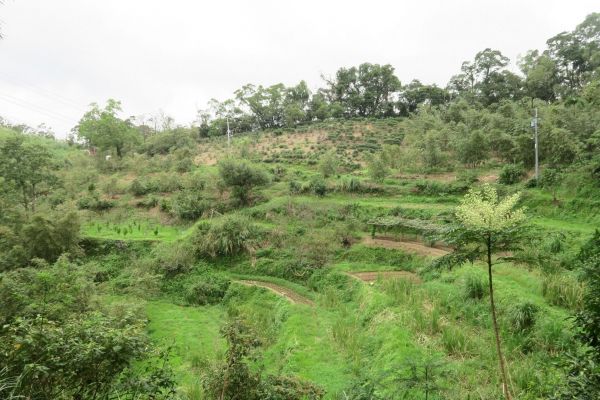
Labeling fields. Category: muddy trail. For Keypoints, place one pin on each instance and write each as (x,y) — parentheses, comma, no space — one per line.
(406,245)
(282,291)
(372,276)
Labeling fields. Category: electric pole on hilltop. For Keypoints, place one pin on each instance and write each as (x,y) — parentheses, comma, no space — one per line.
(228,134)
(534,125)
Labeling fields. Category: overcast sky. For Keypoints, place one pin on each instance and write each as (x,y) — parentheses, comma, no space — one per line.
(57,56)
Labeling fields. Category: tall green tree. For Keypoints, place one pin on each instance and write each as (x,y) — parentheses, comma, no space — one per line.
(27,168)
(473,149)
(102,128)
(416,93)
(540,75)
(487,225)
(364,91)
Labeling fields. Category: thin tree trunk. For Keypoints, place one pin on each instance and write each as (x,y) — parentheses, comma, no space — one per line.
(505,388)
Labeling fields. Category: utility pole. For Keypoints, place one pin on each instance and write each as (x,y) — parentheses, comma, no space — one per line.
(534,124)
(228,134)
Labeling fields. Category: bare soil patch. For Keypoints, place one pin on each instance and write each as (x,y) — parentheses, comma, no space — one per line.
(280,291)
(441,177)
(372,276)
(491,178)
(411,246)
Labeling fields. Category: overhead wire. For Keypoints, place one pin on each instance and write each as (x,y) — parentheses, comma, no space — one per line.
(42,91)
(33,107)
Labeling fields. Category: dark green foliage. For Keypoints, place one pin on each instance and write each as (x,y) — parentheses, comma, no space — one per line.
(30,292)
(590,249)
(550,180)
(473,150)
(421,378)
(206,289)
(160,183)
(139,188)
(289,388)
(318,186)
(164,142)
(511,174)
(295,187)
(434,188)
(60,345)
(233,379)
(229,236)
(184,165)
(43,237)
(26,168)
(241,177)
(583,379)
(79,356)
(149,202)
(171,259)
(94,204)
(12,251)
(189,205)
(48,238)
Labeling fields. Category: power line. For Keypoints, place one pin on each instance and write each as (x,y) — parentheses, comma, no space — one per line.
(35,108)
(44,92)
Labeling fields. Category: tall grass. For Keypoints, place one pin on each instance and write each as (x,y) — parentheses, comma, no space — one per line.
(563,290)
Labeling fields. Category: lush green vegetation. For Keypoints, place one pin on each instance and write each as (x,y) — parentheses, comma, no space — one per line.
(372,240)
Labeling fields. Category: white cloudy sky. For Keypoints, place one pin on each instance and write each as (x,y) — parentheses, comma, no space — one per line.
(57,56)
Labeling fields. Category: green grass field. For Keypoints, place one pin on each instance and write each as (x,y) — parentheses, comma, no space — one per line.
(134,231)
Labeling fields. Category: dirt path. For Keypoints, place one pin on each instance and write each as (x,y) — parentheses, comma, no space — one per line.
(280,291)
(372,276)
(414,247)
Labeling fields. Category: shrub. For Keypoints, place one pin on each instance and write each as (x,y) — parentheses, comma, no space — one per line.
(289,388)
(523,316)
(318,186)
(241,177)
(295,187)
(511,174)
(355,185)
(150,202)
(474,287)
(184,165)
(208,289)
(230,236)
(138,188)
(189,205)
(94,204)
(468,176)
(377,169)
(328,165)
(171,259)
(163,142)
(433,188)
